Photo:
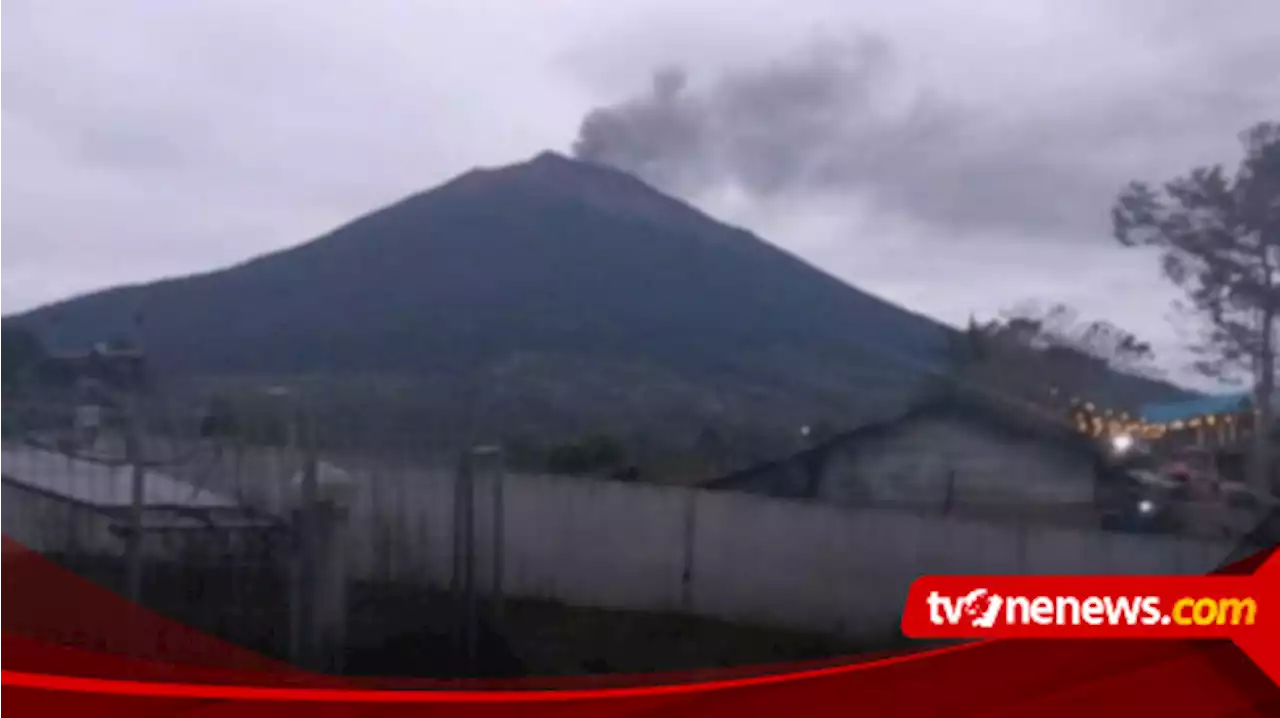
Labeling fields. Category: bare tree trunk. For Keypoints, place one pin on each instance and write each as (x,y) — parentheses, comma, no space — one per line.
(1260,473)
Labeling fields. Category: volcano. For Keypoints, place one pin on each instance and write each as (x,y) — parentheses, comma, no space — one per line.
(550,296)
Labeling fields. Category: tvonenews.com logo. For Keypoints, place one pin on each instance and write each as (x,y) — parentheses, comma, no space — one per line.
(1235,606)
(980,608)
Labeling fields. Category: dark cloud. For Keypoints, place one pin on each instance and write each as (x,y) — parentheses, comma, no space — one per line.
(844,117)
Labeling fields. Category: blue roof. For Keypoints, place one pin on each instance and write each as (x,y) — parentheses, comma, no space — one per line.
(1191,408)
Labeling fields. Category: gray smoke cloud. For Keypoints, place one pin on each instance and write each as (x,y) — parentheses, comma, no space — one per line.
(770,127)
(844,117)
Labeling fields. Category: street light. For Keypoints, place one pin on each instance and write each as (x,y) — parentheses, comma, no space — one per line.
(1121,443)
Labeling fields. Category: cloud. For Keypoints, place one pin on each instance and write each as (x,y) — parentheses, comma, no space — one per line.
(147,139)
(846,117)
(958,164)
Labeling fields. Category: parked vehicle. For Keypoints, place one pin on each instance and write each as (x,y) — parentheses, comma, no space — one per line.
(1133,494)
(1186,491)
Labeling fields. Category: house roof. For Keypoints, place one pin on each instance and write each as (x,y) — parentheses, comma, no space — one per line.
(1008,414)
(1183,410)
(98,485)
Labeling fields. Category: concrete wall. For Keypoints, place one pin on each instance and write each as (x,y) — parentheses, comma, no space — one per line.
(720,554)
(913,464)
(786,478)
(52,525)
(798,564)
(828,568)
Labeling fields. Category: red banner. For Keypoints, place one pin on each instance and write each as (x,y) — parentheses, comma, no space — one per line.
(1029,676)
(1244,609)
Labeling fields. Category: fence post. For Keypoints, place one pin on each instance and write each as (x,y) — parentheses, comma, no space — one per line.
(464,561)
(496,471)
(302,579)
(134,456)
(133,547)
(499,536)
(330,604)
(318,605)
(690,538)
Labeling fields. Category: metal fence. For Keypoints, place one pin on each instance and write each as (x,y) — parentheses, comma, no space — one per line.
(130,498)
(294,538)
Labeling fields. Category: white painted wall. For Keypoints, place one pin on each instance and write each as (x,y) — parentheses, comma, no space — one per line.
(912,464)
(772,562)
(806,565)
(52,525)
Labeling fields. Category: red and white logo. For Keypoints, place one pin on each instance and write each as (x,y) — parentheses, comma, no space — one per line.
(979,607)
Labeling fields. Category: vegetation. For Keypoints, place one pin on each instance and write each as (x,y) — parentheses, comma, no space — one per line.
(1058,332)
(533,299)
(1048,355)
(22,357)
(592,455)
(550,299)
(1218,236)
(241,419)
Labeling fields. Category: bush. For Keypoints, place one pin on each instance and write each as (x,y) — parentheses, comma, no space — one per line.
(593,454)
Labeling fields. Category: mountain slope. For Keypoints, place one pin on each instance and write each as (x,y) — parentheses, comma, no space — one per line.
(565,293)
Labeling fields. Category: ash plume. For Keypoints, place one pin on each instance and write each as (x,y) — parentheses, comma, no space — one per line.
(845,118)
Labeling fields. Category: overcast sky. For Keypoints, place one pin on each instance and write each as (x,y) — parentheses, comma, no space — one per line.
(955,157)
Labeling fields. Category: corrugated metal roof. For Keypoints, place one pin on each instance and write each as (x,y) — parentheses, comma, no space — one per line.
(108,487)
(1183,410)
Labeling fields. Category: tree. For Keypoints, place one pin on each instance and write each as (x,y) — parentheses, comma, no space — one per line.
(22,357)
(1218,235)
(1058,332)
(219,420)
(1046,355)
(597,453)
(712,450)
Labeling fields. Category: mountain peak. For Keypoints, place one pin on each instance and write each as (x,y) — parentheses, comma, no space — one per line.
(550,157)
(608,189)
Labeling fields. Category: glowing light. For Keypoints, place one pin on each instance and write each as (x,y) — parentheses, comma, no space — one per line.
(1121,443)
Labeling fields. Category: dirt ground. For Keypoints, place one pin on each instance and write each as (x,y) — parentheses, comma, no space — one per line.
(407,632)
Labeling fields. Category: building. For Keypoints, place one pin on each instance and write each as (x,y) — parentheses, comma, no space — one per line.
(203,559)
(1217,430)
(1209,422)
(105,366)
(60,504)
(954,453)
